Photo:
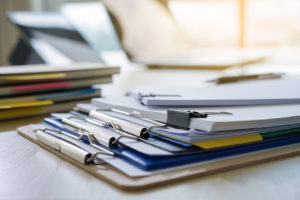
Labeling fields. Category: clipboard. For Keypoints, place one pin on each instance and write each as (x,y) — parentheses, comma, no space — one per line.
(118,179)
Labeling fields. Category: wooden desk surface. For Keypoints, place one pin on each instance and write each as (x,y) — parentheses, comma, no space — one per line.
(29,172)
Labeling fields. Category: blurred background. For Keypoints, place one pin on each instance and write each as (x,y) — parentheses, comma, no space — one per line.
(206,23)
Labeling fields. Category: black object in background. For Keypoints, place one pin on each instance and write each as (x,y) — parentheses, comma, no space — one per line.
(48,37)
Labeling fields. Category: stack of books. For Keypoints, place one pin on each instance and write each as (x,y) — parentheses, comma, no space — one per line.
(148,145)
(39,89)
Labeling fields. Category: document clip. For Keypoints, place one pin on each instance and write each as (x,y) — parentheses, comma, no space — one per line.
(118,124)
(71,146)
(141,96)
(95,135)
(178,118)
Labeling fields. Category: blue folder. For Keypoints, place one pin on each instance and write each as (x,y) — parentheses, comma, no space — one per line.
(149,163)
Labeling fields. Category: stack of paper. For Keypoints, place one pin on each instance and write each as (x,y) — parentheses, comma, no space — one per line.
(140,140)
(39,89)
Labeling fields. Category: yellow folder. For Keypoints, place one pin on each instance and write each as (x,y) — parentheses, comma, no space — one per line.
(229,141)
(21,112)
(25,104)
(25,77)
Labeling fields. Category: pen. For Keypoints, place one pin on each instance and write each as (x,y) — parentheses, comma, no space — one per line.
(231,79)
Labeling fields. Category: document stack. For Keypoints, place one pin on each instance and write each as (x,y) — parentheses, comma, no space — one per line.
(39,89)
(139,146)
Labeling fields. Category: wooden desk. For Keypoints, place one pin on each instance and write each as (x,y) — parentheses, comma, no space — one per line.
(29,172)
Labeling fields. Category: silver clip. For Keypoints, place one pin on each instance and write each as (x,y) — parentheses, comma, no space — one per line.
(141,96)
(102,138)
(120,124)
(115,127)
(92,140)
(89,158)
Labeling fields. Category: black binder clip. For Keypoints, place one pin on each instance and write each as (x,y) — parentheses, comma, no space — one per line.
(181,119)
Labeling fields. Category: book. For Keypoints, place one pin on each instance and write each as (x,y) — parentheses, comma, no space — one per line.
(52,86)
(40,110)
(48,98)
(12,75)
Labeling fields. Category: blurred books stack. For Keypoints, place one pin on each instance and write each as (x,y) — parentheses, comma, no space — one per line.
(40,89)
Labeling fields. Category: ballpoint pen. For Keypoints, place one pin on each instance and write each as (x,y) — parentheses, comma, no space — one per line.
(231,79)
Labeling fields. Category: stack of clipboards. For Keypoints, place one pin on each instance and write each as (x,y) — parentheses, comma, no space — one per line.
(134,146)
(39,89)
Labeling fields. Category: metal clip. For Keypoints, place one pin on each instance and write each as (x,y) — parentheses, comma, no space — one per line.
(104,139)
(99,123)
(182,119)
(141,96)
(91,157)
